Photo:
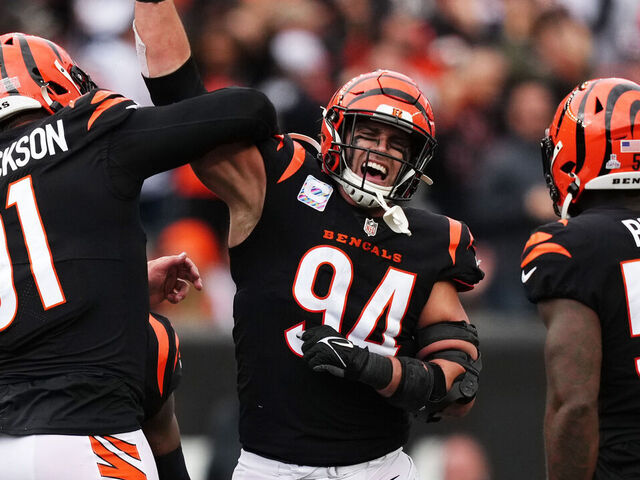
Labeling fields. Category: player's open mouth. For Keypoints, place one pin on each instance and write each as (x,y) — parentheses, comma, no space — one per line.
(374,172)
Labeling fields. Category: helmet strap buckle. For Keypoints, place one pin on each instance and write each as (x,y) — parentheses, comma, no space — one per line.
(394,217)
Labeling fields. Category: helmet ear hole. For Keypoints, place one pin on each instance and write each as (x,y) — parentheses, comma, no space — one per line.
(568,167)
(56,88)
(599,106)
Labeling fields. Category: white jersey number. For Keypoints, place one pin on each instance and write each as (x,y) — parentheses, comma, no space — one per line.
(21,195)
(631,279)
(392,295)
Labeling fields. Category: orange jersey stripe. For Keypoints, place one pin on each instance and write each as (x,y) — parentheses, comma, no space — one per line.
(542,249)
(455,233)
(537,237)
(102,108)
(163,350)
(117,467)
(101,95)
(175,361)
(296,162)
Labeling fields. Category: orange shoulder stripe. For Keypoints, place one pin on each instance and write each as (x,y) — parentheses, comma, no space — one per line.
(102,108)
(163,350)
(542,249)
(296,162)
(101,95)
(537,237)
(455,233)
(281,144)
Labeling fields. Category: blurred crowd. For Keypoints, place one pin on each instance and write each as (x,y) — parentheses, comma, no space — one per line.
(494,71)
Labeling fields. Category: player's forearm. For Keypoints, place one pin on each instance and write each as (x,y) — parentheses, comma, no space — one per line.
(162,36)
(571,441)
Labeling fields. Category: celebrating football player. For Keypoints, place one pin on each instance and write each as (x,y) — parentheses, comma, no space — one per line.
(583,272)
(74,300)
(347,316)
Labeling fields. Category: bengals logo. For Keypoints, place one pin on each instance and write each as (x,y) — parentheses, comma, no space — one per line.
(396,112)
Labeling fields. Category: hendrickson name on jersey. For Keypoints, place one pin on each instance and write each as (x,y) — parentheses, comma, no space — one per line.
(39,143)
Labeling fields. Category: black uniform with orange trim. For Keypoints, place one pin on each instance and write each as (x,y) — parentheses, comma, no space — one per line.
(73,273)
(164,365)
(313,258)
(594,258)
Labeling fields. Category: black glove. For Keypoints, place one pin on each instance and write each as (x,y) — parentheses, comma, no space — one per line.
(325,350)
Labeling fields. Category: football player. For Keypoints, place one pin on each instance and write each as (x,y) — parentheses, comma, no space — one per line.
(74,300)
(583,271)
(347,316)
(169,279)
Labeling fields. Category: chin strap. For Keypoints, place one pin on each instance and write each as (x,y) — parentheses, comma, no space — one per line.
(394,216)
(564,213)
(573,189)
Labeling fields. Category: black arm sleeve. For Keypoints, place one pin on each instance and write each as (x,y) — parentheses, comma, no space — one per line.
(155,139)
(183,83)
(171,466)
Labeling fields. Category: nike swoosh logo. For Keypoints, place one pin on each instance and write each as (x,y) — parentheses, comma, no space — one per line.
(330,341)
(527,276)
(394,478)
(341,342)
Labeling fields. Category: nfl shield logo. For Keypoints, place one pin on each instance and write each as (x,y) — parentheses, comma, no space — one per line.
(370,227)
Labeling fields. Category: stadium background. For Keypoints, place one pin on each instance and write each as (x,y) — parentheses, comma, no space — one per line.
(494,70)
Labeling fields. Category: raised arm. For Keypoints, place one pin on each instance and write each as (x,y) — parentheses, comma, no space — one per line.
(234,172)
(162,42)
(164,53)
(573,357)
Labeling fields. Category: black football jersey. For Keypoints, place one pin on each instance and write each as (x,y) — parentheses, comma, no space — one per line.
(313,258)
(164,365)
(594,259)
(73,274)
(69,338)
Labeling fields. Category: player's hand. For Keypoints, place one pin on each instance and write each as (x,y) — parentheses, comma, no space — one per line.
(169,278)
(325,350)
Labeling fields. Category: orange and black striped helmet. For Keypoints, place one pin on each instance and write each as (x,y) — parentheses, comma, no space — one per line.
(593,142)
(390,98)
(36,73)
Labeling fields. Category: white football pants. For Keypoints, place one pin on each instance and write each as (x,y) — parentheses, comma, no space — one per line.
(77,457)
(396,465)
